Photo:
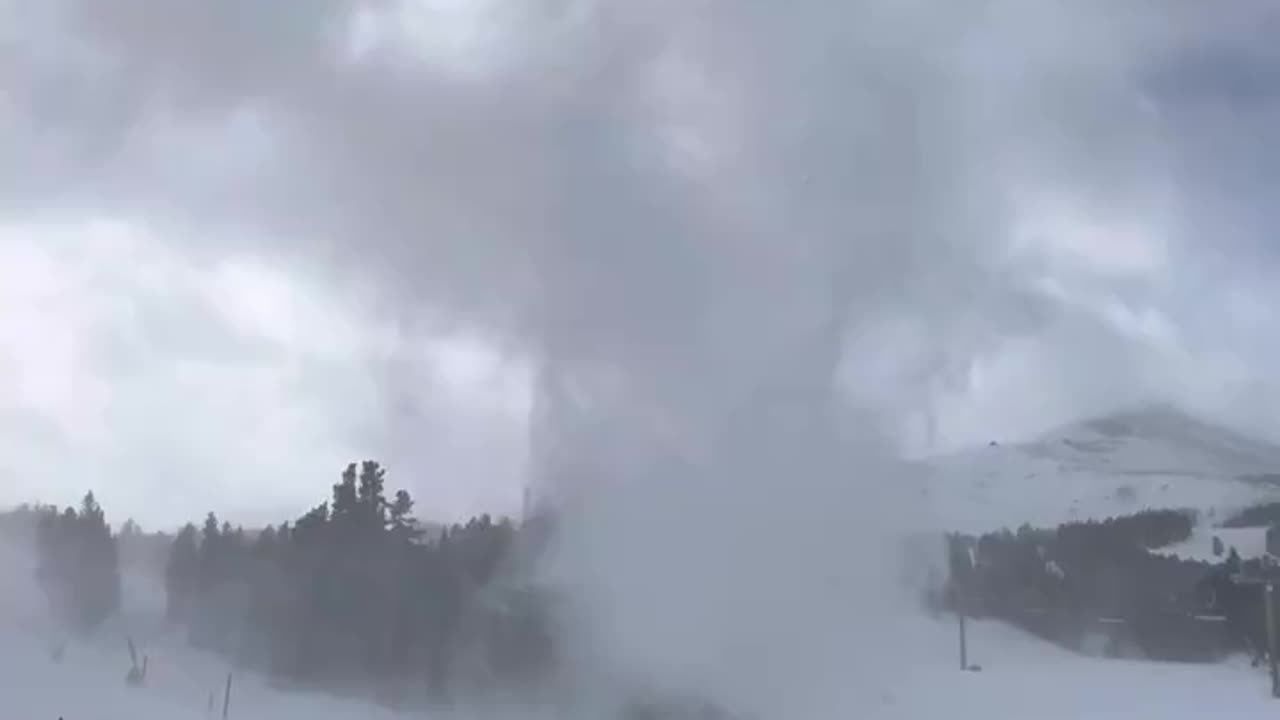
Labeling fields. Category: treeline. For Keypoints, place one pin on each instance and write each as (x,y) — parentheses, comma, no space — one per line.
(1104,567)
(78,564)
(19,525)
(1083,579)
(1257,516)
(356,593)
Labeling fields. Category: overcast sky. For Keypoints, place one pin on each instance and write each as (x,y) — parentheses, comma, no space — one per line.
(244,243)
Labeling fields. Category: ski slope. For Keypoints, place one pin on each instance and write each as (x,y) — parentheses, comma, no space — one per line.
(1022,679)
(1026,679)
(89,682)
(89,685)
(1123,463)
(1249,542)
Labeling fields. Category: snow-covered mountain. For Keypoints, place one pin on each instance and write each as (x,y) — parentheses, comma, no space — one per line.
(1155,457)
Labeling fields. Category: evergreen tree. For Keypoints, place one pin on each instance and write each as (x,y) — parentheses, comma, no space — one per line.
(130,529)
(400,518)
(351,591)
(182,573)
(371,500)
(1232,562)
(79,565)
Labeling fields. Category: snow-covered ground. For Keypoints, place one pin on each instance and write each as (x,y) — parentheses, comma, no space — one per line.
(1024,679)
(1249,542)
(1120,464)
(89,683)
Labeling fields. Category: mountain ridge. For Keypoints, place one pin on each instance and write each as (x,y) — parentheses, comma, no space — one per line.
(1153,457)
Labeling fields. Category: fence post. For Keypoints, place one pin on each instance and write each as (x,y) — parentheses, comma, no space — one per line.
(964,648)
(226,699)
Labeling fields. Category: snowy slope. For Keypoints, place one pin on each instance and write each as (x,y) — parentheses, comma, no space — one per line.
(1119,464)
(1025,679)
(89,683)
(1249,542)
(1022,679)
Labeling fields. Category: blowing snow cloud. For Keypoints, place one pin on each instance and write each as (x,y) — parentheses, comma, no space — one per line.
(702,225)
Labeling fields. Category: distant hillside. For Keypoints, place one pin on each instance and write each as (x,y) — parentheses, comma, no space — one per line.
(1150,458)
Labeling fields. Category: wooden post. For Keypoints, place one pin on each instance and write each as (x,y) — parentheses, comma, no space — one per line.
(226,699)
(1271,641)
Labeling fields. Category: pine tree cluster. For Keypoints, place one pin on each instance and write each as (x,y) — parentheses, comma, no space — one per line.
(1096,577)
(356,592)
(78,564)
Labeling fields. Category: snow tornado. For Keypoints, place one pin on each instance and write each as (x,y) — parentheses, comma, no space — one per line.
(737,510)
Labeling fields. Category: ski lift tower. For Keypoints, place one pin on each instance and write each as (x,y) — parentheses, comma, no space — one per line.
(966,561)
(1267,580)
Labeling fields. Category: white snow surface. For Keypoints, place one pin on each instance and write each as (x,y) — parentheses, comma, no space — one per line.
(89,683)
(1249,542)
(1153,458)
(1021,678)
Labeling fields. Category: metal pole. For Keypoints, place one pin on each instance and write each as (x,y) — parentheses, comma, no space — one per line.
(226,699)
(962,598)
(1271,641)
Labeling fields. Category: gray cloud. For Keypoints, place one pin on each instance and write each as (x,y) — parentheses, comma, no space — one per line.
(174,388)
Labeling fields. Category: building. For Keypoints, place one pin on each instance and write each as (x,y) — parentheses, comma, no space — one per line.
(1273,540)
